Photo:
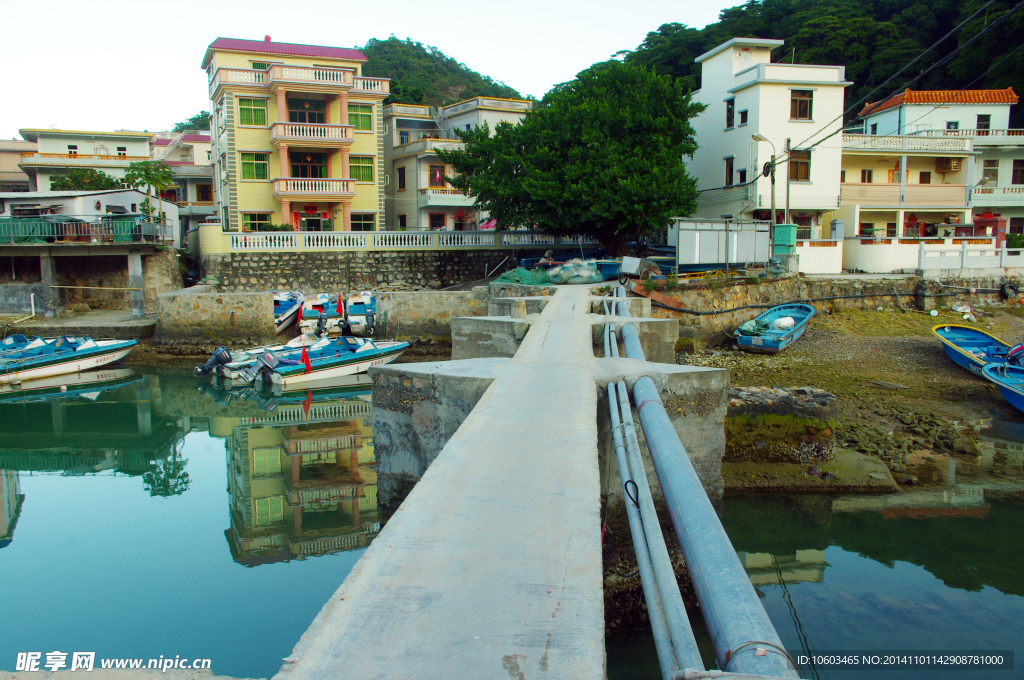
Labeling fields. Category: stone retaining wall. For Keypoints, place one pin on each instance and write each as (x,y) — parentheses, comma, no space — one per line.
(202,316)
(426,317)
(776,425)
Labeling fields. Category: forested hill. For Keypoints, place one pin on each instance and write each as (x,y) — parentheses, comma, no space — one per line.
(426,75)
(872,39)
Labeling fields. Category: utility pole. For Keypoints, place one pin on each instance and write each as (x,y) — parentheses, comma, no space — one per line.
(789,165)
(769,172)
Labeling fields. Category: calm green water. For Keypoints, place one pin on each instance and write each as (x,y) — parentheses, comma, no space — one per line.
(141,518)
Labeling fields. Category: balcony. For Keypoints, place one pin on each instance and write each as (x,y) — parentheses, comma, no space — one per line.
(980,137)
(427,145)
(63,160)
(295,189)
(993,197)
(917,195)
(911,144)
(312,134)
(57,230)
(196,207)
(299,79)
(444,198)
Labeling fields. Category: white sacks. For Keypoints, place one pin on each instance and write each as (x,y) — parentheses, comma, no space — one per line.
(783,323)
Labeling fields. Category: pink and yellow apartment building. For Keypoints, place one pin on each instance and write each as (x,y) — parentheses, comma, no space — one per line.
(297,135)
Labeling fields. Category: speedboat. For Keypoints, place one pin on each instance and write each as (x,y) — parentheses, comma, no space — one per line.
(971,348)
(357,312)
(1010,381)
(42,358)
(774,330)
(327,358)
(286,308)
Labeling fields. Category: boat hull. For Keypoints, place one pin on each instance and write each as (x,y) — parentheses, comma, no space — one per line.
(952,336)
(70,365)
(1009,380)
(71,381)
(288,318)
(351,366)
(768,346)
(774,341)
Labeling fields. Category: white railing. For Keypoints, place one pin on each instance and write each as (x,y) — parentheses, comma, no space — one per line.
(313,186)
(308,74)
(964,258)
(906,143)
(885,194)
(245,77)
(334,240)
(972,132)
(323,545)
(465,239)
(526,238)
(371,85)
(403,239)
(312,131)
(264,241)
(343,411)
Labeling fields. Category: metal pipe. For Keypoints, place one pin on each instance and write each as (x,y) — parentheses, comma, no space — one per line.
(614,341)
(32,302)
(631,342)
(607,349)
(659,627)
(685,645)
(735,618)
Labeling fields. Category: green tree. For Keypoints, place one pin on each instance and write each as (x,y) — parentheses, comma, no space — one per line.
(84,179)
(152,175)
(602,155)
(200,121)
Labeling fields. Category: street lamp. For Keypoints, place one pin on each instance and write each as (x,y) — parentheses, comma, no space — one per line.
(762,138)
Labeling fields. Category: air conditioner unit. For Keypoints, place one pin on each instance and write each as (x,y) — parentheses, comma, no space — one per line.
(948,164)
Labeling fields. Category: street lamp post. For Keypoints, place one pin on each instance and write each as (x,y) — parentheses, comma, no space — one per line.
(771,236)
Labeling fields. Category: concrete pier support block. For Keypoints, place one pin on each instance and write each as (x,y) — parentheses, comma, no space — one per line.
(50,303)
(135,282)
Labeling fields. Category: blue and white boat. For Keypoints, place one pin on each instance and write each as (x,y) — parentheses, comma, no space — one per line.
(359,312)
(775,330)
(87,385)
(970,347)
(286,308)
(1010,381)
(30,359)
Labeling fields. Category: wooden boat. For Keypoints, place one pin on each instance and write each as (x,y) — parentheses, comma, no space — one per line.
(42,358)
(1010,381)
(768,337)
(970,347)
(286,308)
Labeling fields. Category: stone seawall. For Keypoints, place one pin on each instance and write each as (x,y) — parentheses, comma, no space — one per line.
(202,316)
(312,272)
(426,317)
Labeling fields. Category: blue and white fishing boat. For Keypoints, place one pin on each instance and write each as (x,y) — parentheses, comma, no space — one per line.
(970,347)
(42,358)
(358,311)
(1010,381)
(775,330)
(286,308)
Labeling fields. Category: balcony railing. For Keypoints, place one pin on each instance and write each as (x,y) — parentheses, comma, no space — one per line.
(283,73)
(309,74)
(34,231)
(979,135)
(372,85)
(906,143)
(81,157)
(917,195)
(313,132)
(314,186)
(195,204)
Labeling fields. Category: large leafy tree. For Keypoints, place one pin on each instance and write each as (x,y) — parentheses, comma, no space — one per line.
(152,175)
(602,156)
(83,179)
(200,121)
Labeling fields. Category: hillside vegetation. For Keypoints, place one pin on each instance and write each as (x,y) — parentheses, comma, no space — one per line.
(421,74)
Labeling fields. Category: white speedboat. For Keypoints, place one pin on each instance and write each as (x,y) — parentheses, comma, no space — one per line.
(287,306)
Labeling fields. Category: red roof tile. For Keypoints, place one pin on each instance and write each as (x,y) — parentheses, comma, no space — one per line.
(908,96)
(288,49)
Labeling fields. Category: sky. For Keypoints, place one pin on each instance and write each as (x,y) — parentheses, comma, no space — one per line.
(136,65)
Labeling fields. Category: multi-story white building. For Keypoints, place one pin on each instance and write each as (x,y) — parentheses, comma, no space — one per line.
(418,197)
(58,151)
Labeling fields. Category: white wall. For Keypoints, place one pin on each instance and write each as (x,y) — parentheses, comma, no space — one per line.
(57,143)
(916,117)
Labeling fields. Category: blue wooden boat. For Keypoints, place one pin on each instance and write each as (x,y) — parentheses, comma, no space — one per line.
(970,347)
(42,358)
(1010,381)
(286,308)
(765,337)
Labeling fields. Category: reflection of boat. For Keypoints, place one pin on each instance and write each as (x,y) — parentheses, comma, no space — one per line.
(41,358)
(1010,381)
(286,308)
(969,347)
(87,385)
(270,397)
(770,333)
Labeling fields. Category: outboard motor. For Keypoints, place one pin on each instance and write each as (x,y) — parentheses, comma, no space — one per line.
(1015,355)
(220,357)
(321,323)
(369,324)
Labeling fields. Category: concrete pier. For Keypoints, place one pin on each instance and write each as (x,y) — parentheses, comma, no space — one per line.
(491,567)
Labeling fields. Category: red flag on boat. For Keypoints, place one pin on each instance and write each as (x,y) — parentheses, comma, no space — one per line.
(307,402)
(305,360)
(339,307)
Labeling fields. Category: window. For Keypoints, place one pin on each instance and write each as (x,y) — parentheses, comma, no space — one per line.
(890,229)
(307,164)
(401,178)
(135,208)
(266,461)
(122,151)
(307,111)
(952,125)
(800,105)
(401,221)
(867,176)
(253,221)
(260,66)
(803,223)
(72,149)
(842,176)
(866,229)
(269,510)
(209,155)
(874,128)
(252,111)
(743,117)
(984,120)
(1018,172)
(467,127)
(437,176)
(204,192)
(800,166)
(990,171)
(1017,225)
(403,136)
(361,168)
(363,221)
(742,176)
(924,178)
(361,116)
(255,166)
(437,221)
(728,172)
(730,114)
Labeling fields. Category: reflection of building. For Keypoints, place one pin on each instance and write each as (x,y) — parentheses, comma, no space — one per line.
(800,565)
(10,505)
(300,485)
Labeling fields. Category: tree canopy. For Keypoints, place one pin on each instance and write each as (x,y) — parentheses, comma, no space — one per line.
(421,74)
(152,175)
(84,179)
(873,40)
(200,121)
(602,156)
